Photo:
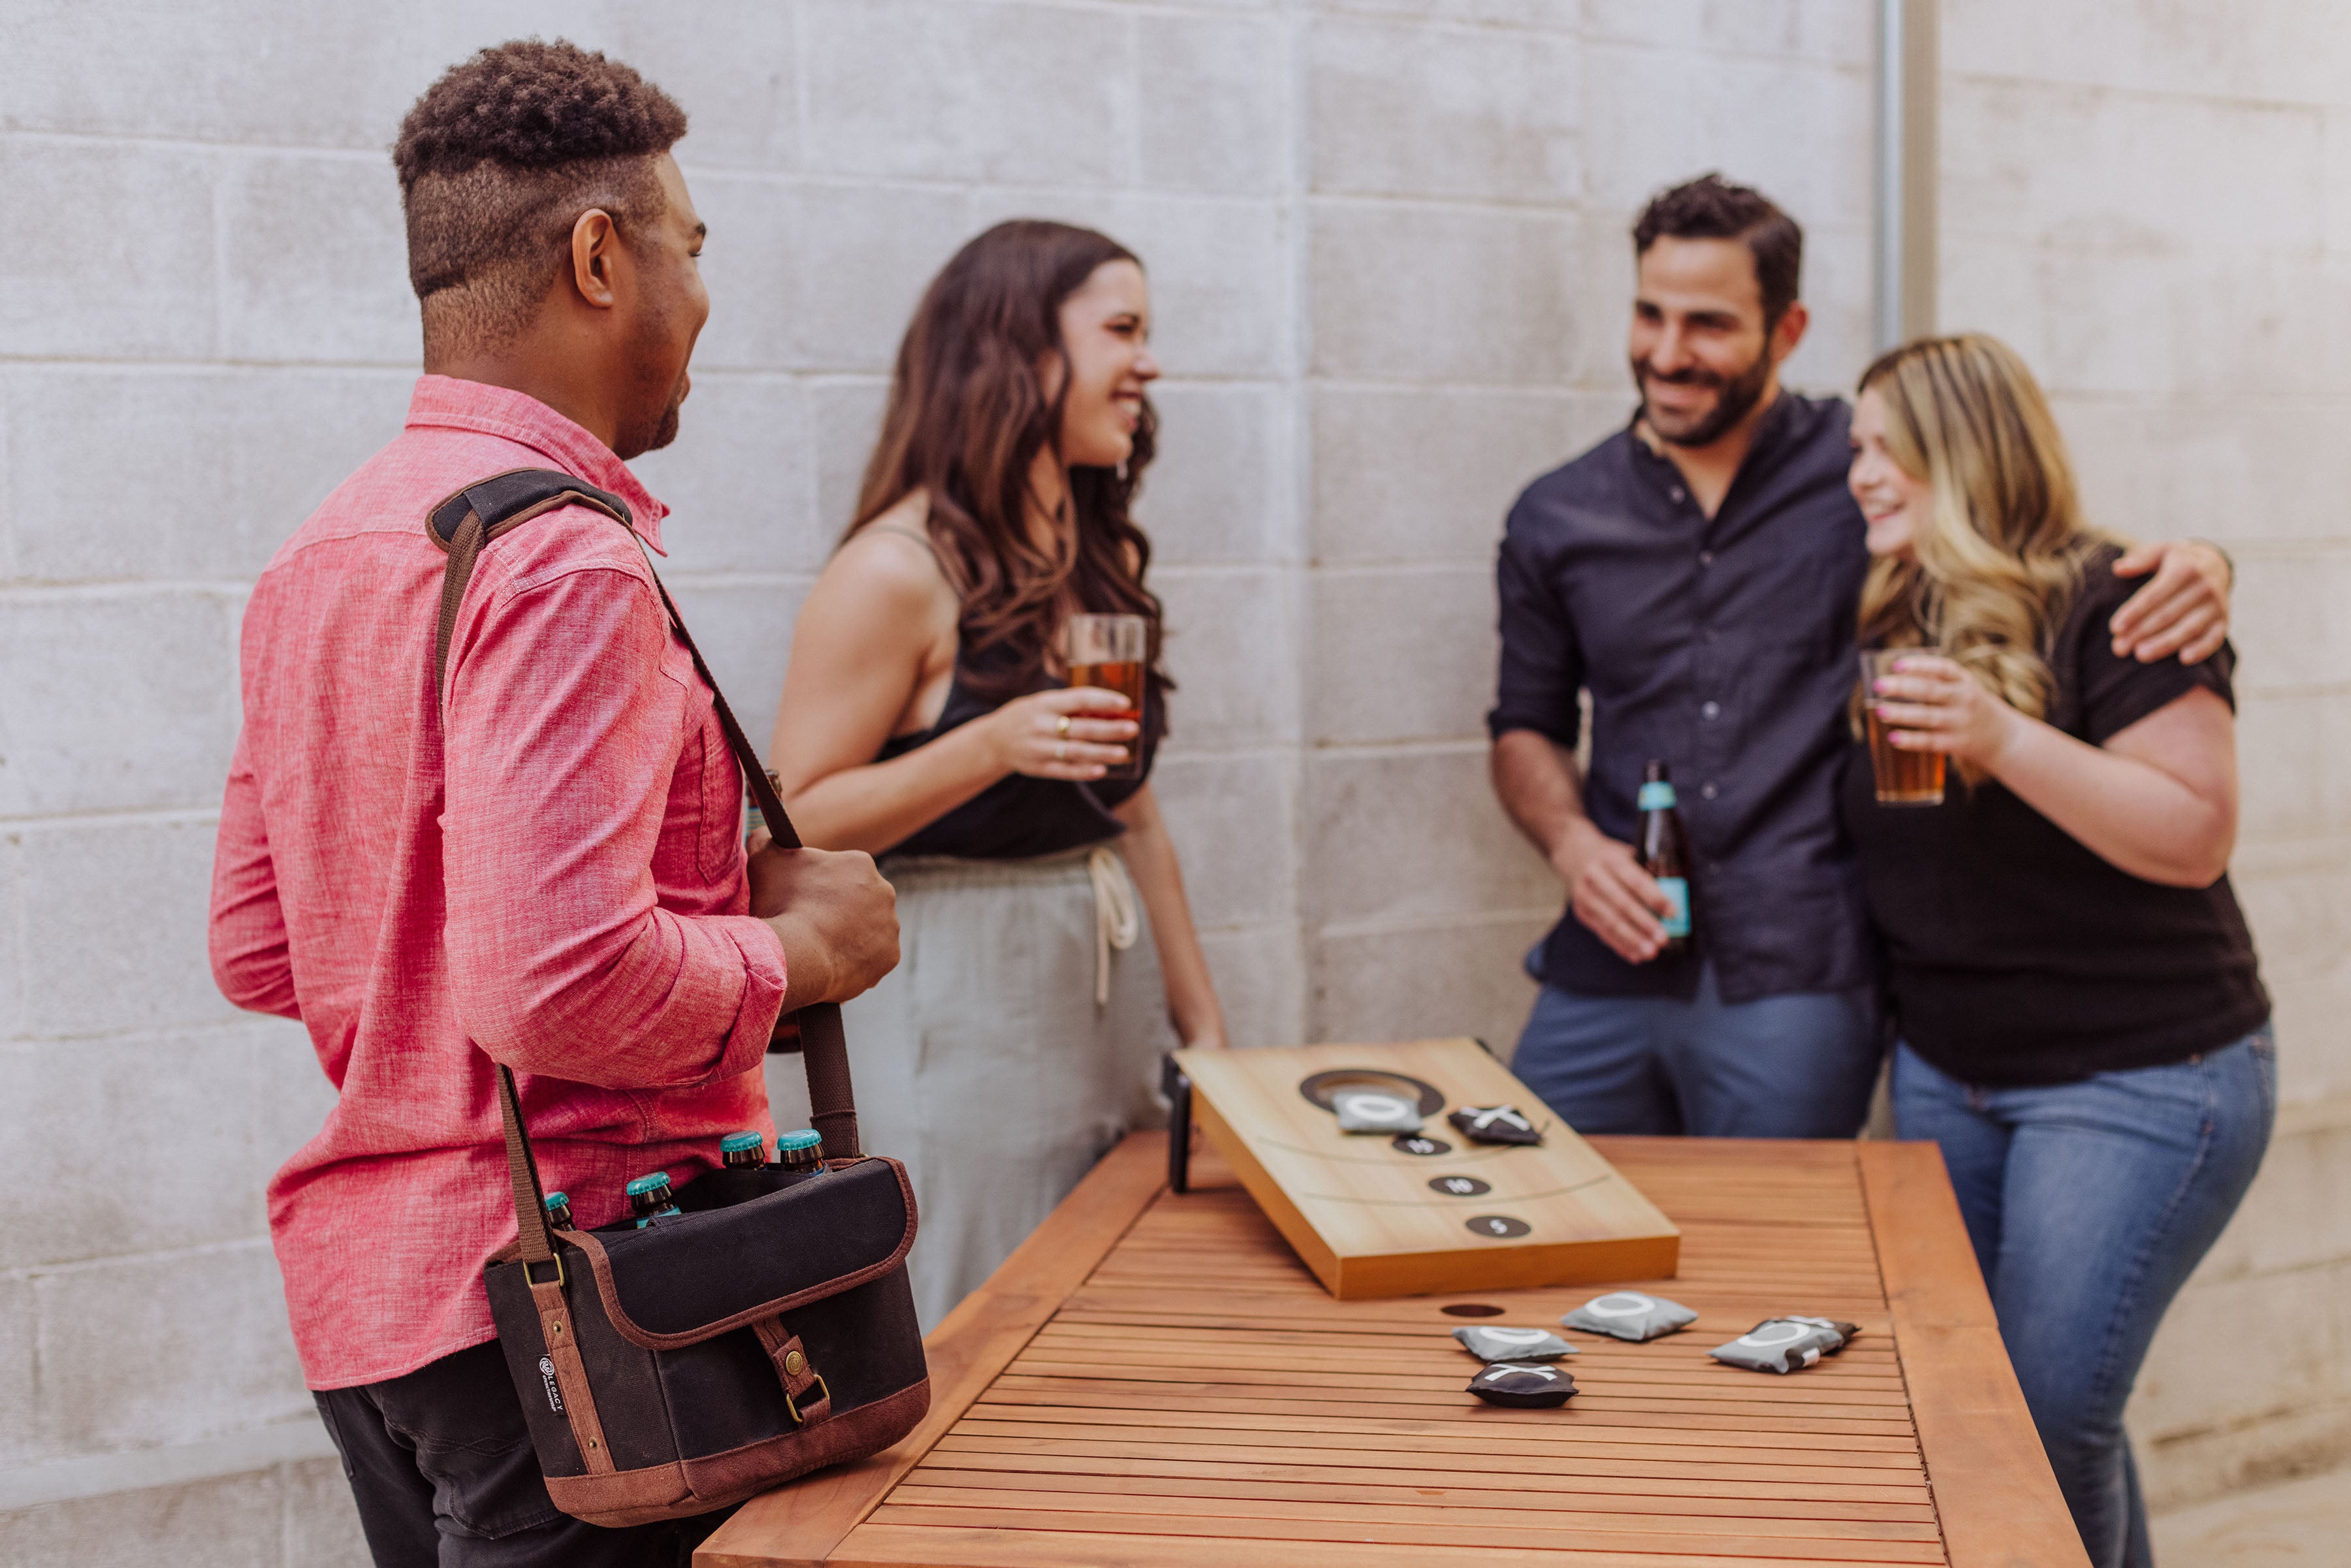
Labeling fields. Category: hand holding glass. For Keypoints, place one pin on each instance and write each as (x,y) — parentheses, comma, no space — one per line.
(1110,652)
(1904,778)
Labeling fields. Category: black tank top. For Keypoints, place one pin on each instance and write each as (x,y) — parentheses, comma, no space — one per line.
(1019,816)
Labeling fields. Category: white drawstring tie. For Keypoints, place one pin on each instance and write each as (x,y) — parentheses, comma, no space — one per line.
(1117,919)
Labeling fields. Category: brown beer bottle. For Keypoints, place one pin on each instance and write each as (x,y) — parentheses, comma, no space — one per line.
(1665,851)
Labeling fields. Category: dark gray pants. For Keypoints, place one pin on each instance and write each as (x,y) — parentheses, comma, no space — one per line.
(442,1465)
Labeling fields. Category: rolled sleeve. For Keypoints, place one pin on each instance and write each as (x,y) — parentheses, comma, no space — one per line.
(1541,664)
(567,709)
(250,958)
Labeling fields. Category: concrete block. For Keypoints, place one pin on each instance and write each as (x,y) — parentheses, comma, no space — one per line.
(2286,50)
(1799,130)
(2286,630)
(73,287)
(2137,172)
(1211,97)
(2291,782)
(744,630)
(215,1111)
(1401,655)
(1425,983)
(733,67)
(314,262)
(848,417)
(322,1521)
(232,1521)
(1230,646)
(2182,466)
(1219,491)
(741,479)
(2184,1387)
(2287,888)
(2336,192)
(922,88)
(1845,31)
(116,699)
(163,1350)
(1414,294)
(275,72)
(2297,1214)
(179,472)
(20,1444)
(1411,475)
(1414,838)
(1219,281)
(2184,1469)
(1554,15)
(1399,110)
(2299,1521)
(114,925)
(1231,818)
(1261,983)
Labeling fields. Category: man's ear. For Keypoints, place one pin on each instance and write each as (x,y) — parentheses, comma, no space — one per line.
(1790,330)
(595,248)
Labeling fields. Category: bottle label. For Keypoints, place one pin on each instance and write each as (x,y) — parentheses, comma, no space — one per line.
(1676,890)
(1656,796)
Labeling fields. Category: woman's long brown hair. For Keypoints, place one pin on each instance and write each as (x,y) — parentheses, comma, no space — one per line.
(967,415)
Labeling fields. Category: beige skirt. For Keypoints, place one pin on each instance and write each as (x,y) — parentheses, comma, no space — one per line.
(1011,1047)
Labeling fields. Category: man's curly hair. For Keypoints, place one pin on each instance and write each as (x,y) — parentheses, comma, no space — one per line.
(497,160)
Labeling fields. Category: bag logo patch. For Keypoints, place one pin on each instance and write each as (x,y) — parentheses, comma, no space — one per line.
(546,1376)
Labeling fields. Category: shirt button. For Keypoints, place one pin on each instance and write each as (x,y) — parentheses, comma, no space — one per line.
(1706,789)
(1711,710)
(1680,494)
(1710,633)
(1706,558)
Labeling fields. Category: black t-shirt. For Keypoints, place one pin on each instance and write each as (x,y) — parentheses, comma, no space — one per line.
(2015,955)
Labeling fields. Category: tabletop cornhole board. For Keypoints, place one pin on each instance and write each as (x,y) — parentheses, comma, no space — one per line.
(1373,1215)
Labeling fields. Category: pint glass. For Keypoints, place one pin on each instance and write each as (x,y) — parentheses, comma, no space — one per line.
(1110,652)
(1904,778)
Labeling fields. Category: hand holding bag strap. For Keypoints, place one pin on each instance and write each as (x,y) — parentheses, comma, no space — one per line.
(463,524)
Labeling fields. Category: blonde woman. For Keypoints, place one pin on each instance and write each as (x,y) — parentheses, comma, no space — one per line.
(2083,1029)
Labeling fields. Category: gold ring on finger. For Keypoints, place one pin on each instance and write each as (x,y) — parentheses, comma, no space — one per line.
(1061,727)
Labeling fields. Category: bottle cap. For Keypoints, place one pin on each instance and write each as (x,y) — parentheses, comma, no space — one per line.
(735,1142)
(555,1200)
(653,1183)
(806,1138)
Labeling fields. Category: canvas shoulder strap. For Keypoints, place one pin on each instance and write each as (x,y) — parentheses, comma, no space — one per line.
(463,524)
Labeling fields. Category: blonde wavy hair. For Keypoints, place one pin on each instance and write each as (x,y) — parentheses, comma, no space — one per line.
(2002,553)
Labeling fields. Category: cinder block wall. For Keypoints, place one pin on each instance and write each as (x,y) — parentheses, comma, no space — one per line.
(1386,243)
(2153,202)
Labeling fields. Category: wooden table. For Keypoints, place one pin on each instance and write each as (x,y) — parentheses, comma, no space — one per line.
(1155,1381)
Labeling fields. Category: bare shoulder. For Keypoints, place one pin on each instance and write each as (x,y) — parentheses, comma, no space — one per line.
(885,584)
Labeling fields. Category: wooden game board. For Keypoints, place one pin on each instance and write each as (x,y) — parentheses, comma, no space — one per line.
(1371,1220)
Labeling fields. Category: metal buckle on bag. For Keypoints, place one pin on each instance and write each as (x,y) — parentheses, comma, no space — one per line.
(558,1281)
(793,1405)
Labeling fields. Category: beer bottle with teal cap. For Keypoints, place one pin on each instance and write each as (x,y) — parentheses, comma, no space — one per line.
(802,1155)
(743,1151)
(1664,852)
(559,1211)
(650,1199)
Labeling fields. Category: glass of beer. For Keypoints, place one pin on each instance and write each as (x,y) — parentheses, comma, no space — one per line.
(1110,652)
(1904,778)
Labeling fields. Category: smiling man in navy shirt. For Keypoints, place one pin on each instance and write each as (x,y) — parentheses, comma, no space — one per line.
(1697,574)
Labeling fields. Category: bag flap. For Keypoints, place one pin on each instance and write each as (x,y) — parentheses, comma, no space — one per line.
(696,1276)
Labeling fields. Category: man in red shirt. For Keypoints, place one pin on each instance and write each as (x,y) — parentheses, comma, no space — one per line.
(546,869)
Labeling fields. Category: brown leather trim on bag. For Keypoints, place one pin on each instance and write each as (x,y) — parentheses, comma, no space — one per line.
(571,1375)
(718,1480)
(601,1264)
(795,1371)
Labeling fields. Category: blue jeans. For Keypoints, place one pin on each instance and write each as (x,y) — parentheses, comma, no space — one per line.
(2088,1204)
(1798,1066)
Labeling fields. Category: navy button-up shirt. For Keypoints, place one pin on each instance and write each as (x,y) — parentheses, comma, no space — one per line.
(1723,648)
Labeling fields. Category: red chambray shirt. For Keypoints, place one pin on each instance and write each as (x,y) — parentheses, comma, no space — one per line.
(551,877)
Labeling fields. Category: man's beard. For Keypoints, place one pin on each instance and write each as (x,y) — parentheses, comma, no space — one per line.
(1735,398)
(637,440)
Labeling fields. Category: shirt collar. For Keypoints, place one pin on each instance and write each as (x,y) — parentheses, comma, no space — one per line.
(447,403)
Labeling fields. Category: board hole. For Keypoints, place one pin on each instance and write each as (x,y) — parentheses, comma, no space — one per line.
(1470,1310)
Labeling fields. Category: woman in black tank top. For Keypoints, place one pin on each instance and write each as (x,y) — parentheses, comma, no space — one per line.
(1050,954)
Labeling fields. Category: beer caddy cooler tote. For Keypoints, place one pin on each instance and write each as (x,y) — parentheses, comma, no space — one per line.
(671,1369)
